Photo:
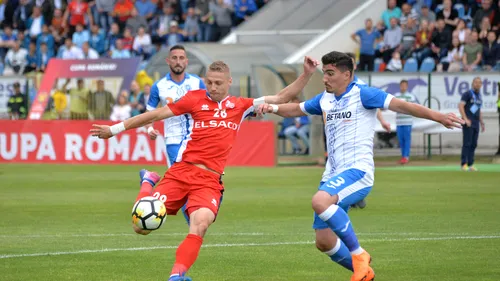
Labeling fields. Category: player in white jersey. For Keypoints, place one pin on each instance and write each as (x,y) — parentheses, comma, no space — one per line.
(349,110)
(169,89)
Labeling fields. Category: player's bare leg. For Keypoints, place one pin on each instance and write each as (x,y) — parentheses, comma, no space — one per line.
(327,242)
(189,249)
(326,206)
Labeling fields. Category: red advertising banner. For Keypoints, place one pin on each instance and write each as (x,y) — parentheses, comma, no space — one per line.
(70,142)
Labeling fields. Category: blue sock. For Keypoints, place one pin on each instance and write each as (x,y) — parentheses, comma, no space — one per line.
(338,220)
(341,255)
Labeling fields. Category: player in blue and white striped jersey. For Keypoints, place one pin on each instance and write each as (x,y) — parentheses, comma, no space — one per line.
(350,111)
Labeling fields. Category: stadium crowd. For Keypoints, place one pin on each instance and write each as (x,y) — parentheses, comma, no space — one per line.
(432,35)
(33,31)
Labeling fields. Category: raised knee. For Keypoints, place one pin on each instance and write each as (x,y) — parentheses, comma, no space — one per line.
(323,246)
(321,201)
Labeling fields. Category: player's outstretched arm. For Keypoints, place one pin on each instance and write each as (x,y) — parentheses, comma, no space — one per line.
(294,89)
(106,132)
(449,120)
(283,110)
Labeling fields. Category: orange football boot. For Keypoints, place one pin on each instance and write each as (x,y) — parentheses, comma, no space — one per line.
(362,269)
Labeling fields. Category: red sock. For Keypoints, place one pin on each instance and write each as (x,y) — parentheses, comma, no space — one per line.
(187,253)
(146,190)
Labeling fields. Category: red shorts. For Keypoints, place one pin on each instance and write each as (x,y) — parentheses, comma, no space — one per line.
(187,182)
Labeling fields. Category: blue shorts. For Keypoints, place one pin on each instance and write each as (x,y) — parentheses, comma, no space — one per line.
(172,151)
(351,186)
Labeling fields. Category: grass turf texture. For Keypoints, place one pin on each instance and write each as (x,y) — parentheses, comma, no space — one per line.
(420,224)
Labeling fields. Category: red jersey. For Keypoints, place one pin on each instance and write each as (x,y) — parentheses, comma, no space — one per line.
(212,128)
(77,12)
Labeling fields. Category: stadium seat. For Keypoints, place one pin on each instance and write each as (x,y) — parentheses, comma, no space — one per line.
(411,65)
(460,9)
(439,8)
(427,65)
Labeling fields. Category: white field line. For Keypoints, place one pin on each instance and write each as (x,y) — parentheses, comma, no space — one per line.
(446,238)
(69,235)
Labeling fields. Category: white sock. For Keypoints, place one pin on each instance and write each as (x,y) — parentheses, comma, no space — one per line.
(334,250)
(358,251)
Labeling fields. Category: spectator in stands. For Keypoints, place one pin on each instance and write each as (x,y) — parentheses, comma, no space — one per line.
(206,21)
(7,40)
(16,58)
(31,59)
(56,24)
(46,38)
(422,47)
(173,37)
(17,105)
(35,22)
(121,110)
(79,97)
(44,54)
(487,10)
(407,13)
(47,9)
(470,109)
(113,36)
(97,40)
(69,51)
(135,98)
(222,14)
(427,14)
(23,39)
(243,9)
(300,128)
(145,8)
(491,53)
(88,52)
(122,12)
(473,53)
(453,62)
(80,36)
(367,39)
(104,9)
(191,26)
(404,122)
(135,21)
(142,43)
(101,102)
(449,15)
(395,64)
(392,40)
(165,21)
(144,98)
(392,11)
(462,32)
(22,13)
(483,32)
(76,12)
(127,40)
(441,39)
(119,52)
(409,38)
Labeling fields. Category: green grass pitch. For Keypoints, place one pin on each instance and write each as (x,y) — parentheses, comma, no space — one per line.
(72,222)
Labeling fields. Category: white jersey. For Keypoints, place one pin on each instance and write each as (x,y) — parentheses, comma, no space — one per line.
(349,126)
(168,91)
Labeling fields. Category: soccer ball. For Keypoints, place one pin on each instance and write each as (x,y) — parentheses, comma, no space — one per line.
(149,213)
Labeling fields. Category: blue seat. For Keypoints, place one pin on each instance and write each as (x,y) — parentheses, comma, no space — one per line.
(439,8)
(428,65)
(460,9)
(376,64)
(411,65)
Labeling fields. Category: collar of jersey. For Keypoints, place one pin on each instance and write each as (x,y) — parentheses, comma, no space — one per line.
(349,87)
(186,76)
(208,96)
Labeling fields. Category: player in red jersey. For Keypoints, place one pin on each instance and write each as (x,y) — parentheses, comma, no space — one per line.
(214,120)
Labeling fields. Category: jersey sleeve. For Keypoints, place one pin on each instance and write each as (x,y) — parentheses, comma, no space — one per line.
(154,98)
(312,106)
(465,97)
(184,104)
(248,107)
(372,98)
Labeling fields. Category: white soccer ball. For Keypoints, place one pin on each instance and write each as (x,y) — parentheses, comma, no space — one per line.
(149,213)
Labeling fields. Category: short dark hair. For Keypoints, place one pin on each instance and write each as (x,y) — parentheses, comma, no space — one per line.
(352,55)
(177,47)
(403,81)
(340,60)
